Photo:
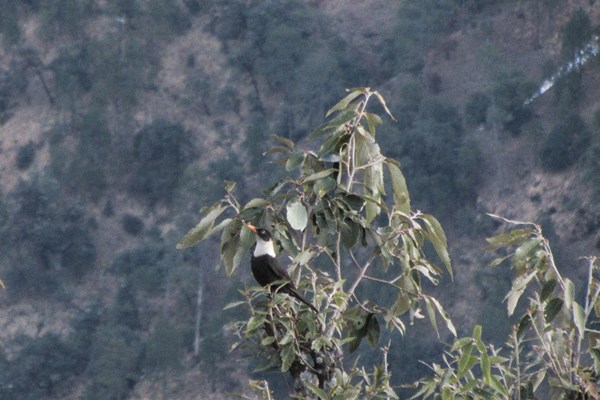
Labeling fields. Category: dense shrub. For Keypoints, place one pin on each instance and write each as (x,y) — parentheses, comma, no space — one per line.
(476,108)
(509,94)
(114,366)
(144,267)
(42,365)
(25,156)
(47,239)
(132,224)
(565,143)
(160,155)
(164,347)
(576,34)
(87,171)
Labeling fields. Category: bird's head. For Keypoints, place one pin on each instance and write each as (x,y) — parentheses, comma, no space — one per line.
(264,241)
(263,234)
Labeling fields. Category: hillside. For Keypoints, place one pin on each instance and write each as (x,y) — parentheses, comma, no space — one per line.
(119,120)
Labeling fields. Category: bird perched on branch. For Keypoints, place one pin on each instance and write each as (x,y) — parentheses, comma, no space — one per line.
(267,270)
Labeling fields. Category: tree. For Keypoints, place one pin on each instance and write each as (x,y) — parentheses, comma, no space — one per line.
(552,350)
(344,216)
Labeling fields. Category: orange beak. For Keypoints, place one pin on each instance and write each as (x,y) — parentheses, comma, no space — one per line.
(251,227)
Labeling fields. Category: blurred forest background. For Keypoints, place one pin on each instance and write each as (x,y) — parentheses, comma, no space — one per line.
(120,118)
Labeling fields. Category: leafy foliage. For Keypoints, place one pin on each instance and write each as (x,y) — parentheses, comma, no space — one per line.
(52,241)
(565,143)
(334,218)
(160,154)
(547,346)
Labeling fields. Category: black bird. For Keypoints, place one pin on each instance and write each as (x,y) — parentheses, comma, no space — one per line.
(267,270)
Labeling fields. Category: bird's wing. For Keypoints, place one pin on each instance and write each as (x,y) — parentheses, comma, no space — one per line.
(279,273)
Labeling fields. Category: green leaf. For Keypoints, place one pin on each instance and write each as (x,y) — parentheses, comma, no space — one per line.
(229,186)
(477,331)
(337,124)
(233,305)
(199,232)
(526,249)
(579,318)
(508,239)
(297,216)
(373,121)
(284,141)
(255,322)
(569,293)
(496,385)
(518,287)
(444,315)
(437,237)
(315,390)
(384,105)
(552,309)
(547,290)
(460,343)
(294,161)
(524,325)
(256,203)
(319,175)
(267,341)
(287,357)
(344,102)
(304,257)
(431,314)
(399,188)
(465,360)
(286,339)
(485,368)
(230,246)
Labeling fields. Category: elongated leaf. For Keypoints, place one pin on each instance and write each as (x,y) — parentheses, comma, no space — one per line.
(284,141)
(399,188)
(485,368)
(229,186)
(319,175)
(518,287)
(579,318)
(524,325)
(337,124)
(315,389)
(304,257)
(384,105)
(569,293)
(508,239)
(547,290)
(431,314)
(552,308)
(198,233)
(287,357)
(465,360)
(444,315)
(294,161)
(297,216)
(373,121)
(256,203)
(233,305)
(344,102)
(437,237)
(255,322)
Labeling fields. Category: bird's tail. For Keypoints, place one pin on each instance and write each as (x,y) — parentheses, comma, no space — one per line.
(297,295)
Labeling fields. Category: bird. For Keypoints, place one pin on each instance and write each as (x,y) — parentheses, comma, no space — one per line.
(266,268)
